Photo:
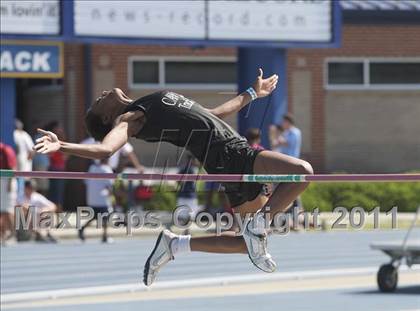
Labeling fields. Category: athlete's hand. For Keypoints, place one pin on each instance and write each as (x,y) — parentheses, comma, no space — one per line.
(264,87)
(47,143)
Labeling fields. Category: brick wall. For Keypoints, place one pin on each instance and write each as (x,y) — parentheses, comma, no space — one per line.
(357,41)
(115,57)
(109,67)
(74,91)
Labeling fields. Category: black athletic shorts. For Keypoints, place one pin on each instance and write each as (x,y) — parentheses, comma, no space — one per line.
(235,157)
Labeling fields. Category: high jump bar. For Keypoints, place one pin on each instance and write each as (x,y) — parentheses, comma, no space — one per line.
(218,177)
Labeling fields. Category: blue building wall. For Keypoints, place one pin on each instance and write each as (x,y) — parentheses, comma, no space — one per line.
(269,110)
(7,109)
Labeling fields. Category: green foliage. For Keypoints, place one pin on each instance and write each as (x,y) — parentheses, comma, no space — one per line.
(327,196)
(164,199)
(201,193)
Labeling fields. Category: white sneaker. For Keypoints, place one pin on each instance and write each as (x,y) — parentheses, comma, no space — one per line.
(160,256)
(257,248)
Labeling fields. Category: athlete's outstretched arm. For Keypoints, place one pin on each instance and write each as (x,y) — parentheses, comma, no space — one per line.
(262,87)
(113,141)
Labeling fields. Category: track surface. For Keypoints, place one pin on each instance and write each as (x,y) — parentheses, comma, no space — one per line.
(28,268)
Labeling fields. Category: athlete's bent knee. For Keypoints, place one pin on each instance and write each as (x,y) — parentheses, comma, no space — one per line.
(305,168)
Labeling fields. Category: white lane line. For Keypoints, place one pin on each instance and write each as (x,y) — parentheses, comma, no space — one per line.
(30,263)
(207,292)
(77,271)
(212,281)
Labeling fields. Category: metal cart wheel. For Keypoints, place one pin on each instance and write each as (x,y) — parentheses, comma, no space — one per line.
(387,278)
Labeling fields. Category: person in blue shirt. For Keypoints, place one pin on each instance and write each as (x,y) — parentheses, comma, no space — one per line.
(290,141)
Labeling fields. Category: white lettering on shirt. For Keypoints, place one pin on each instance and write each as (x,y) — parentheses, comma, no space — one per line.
(171,99)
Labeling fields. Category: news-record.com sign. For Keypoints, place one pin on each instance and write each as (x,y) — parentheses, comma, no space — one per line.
(176,19)
(31,59)
(38,17)
(285,20)
(232,20)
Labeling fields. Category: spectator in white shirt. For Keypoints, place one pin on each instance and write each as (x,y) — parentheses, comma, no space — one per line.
(24,152)
(99,198)
(34,199)
(24,145)
(127,150)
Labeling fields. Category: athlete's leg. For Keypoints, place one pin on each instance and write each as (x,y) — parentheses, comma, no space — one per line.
(269,162)
(255,233)
(169,245)
(266,162)
(228,242)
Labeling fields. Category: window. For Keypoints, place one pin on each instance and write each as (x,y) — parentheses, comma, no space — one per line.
(200,72)
(345,73)
(145,72)
(372,74)
(394,73)
(183,72)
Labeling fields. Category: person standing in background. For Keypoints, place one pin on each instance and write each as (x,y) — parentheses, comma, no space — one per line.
(57,164)
(41,162)
(276,134)
(118,162)
(290,141)
(98,193)
(24,152)
(33,199)
(7,192)
(127,153)
(114,161)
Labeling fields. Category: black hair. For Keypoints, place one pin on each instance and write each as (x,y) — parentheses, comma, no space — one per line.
(30,184)
(289,117)
(18,124)
(95,127)
(279,127)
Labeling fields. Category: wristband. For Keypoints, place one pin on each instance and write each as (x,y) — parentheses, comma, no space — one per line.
(252,93)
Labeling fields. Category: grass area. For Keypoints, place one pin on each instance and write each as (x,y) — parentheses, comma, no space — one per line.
(327,196)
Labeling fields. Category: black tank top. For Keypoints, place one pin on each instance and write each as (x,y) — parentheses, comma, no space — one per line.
(178,120)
